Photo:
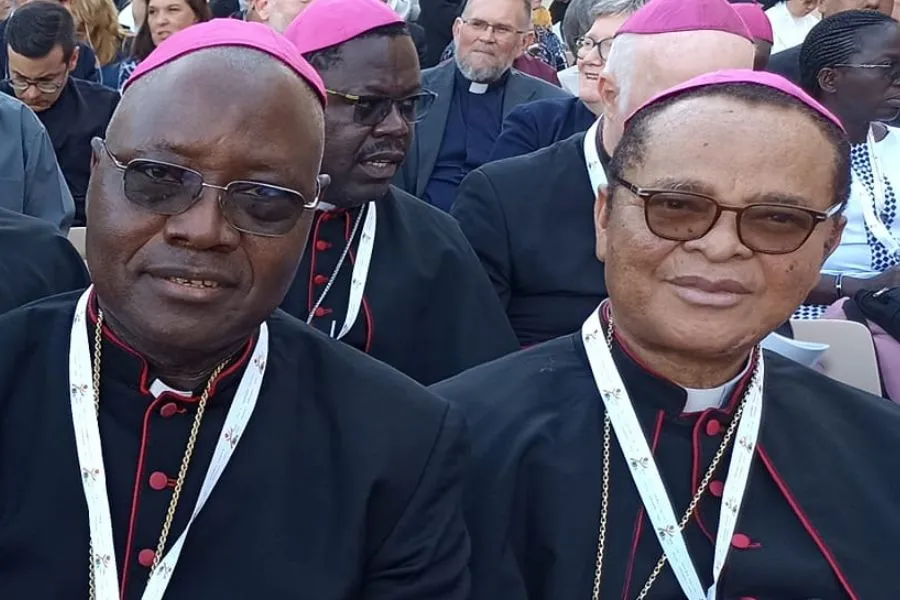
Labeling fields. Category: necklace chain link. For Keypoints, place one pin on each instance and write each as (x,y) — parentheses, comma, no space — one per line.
(701,489)
(185,461)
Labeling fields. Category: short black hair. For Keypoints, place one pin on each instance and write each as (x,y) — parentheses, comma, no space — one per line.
(326,58)
(633,145)
(38,27)
(834,41)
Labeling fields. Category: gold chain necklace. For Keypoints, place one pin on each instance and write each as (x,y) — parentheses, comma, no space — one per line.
(604,504)
(185,461)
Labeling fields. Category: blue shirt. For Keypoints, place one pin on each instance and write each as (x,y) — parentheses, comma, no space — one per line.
(473,124)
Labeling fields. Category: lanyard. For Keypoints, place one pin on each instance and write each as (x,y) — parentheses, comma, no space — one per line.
(358,276)
(592,159)
(93,473)
(877,194)
(645,473)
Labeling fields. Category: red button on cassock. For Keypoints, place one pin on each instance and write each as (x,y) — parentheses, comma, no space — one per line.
(741,541)
(713,427)
(322,245)
(168,410)
(145,557)
(320,279)
(716,488)
(322,311)
(158,480)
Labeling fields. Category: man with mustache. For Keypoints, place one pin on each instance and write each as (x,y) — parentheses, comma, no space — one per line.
(385,272)
(169,432)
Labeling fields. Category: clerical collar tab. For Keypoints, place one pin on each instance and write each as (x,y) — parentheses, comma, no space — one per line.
(478,88)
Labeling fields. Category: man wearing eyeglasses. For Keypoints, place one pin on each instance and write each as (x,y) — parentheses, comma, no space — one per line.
(168,433)
(42,51)
(658,452)
(528,217)
(383,271)
(475,91)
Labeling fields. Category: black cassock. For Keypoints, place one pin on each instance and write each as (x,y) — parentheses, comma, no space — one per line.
(428,308)
(344,486)
(530,219)
(819,519)
(36,260)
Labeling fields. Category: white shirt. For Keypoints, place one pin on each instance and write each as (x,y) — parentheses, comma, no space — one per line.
(853,256)
(788,30)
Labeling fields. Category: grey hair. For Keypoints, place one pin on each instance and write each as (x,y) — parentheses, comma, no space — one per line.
(609,8)
(526,6)
(581,14)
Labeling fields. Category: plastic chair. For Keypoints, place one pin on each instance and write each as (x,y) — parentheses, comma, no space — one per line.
(77,236)
(850,357)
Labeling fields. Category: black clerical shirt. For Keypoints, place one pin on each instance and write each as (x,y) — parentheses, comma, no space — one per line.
(819,520)
(81,112)
(344,486)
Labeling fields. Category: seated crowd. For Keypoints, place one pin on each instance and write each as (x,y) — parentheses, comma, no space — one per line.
(449,300)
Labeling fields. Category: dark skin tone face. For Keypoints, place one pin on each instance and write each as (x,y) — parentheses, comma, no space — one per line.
(862,95)
(379,66)
(133,252)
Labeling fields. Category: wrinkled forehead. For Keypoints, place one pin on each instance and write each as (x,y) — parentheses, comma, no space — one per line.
(202,105)
(738,150)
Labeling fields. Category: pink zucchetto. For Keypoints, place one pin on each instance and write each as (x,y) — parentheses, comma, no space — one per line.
(747,76)
(229,32)
(328,23)
(756,20)
(671,16)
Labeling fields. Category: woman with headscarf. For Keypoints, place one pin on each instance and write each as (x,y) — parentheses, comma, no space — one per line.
(851,63)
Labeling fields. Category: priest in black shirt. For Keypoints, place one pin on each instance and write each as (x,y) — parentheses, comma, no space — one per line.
(658,453)
(42,52)
(229,451)
(528,217)
(384,271)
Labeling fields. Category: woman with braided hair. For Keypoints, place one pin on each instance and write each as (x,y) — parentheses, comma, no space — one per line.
(850,62)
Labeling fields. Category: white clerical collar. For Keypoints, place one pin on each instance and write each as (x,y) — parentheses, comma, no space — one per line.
(699,400)
(478,88)
(592,159)
(158,388)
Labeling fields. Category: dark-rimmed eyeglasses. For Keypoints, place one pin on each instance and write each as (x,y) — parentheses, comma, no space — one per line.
(249,206)
(372,109)
(44,86)
(584,45)
(765,228)
(891,71)
(499,30)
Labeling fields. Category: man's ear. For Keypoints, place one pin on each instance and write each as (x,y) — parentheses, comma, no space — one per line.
(601,221)
(261,8)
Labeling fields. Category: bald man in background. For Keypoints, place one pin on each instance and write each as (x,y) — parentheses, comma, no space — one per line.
(529,218)
(277,14)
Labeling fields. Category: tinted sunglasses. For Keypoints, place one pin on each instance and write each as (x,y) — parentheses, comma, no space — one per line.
(372,110)
(249,206)
(764,228)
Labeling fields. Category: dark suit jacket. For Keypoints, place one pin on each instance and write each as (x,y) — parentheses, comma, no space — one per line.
(416,171)
(535,125)
(786,63)
(530,220)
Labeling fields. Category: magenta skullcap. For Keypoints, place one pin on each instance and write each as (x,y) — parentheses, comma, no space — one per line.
(769,80)
(229,32)
(670,16)
(756,20)
(327,23)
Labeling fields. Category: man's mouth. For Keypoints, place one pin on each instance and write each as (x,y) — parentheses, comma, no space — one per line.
(196,283)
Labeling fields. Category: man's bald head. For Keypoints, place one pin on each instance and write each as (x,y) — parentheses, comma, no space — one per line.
(156,234)
(641,66)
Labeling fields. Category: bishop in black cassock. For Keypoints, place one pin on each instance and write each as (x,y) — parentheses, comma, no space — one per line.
(169,431)
(659,430)
(383,271)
